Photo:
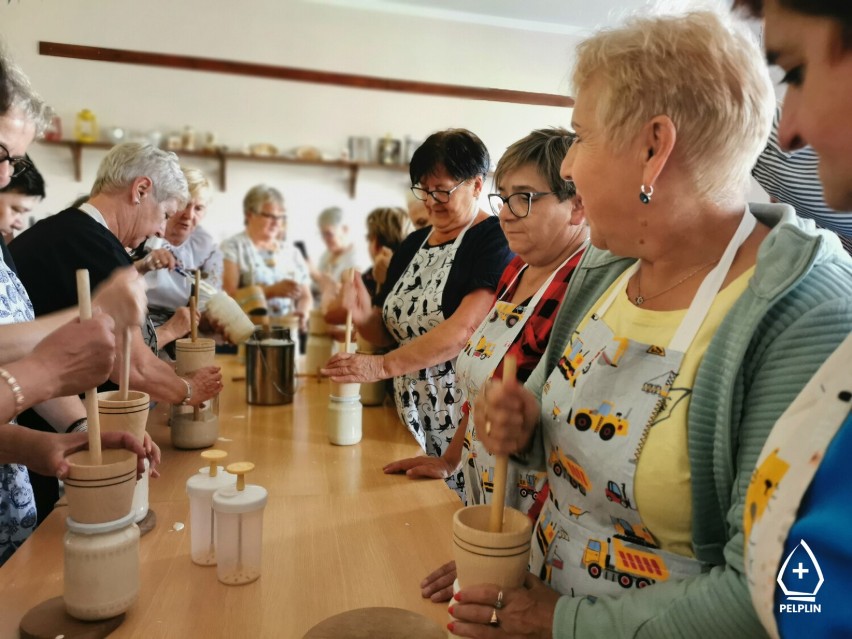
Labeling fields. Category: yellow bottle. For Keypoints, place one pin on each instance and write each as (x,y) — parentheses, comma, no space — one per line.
(86,127)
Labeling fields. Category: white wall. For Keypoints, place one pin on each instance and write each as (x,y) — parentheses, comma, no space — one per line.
(287,114)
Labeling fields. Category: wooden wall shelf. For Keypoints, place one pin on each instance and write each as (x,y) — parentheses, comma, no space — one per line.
(223,157)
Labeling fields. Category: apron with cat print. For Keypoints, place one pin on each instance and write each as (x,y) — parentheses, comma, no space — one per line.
(429,401)
(598,407)
(476,364)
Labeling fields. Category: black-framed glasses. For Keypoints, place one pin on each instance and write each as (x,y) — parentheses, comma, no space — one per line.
(18,164)
(519,203)
(280,219)
(438,195)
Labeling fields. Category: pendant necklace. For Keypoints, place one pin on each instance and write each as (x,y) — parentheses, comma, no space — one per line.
(639,299)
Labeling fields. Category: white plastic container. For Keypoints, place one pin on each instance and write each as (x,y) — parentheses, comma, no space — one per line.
(239,528)
(140,495)
(344,420)
(101,568)
(200,488)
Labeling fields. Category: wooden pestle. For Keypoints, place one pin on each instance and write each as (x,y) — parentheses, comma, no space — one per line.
(193,327)
(348,339)
(124,373)
(501,463)
(84,299)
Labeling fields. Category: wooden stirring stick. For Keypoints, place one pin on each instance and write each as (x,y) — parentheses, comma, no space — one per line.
(124,373)
(84,299)
(501,464)
(349,315)
(193,330)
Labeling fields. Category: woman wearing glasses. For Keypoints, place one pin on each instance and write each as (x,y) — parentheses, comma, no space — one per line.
(257,257)
(545,226)
(439,287)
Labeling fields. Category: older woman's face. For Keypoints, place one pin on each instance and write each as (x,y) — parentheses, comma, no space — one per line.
(540,237)
(181,225)
(607,182)
(455,214)
(818,102)
(266,224)
(418,214)
(150,220)
(16,134)
(335,236)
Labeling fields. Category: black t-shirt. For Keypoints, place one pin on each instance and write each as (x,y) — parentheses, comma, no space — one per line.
(49,253)
(480,260)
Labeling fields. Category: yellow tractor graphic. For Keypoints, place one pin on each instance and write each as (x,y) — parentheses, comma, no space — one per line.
(604,420)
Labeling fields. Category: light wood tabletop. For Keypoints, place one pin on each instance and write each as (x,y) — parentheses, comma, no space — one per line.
(338,533)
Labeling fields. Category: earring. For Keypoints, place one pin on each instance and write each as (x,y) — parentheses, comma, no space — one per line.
(645,197)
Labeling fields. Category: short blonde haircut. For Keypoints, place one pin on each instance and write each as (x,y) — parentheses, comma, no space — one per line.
(707,75)
(259,195)
(199,185)
(389,226)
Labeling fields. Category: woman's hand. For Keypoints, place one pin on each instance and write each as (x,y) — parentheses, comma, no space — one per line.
(353,296)
(525,612)
(438,586)
(285,288)
(122,297)
(353,367)
(506,415)
(423,466)
(206,383)
(156,259)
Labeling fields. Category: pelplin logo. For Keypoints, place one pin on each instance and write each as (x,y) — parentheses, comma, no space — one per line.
(800,578)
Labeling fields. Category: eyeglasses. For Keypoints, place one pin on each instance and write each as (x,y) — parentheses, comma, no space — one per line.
(278,219)
(519,203)
(438,195)
(17,164)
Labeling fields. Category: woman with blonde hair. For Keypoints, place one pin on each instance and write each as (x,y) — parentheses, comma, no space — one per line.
(387,227)
(690,325)
(170,262)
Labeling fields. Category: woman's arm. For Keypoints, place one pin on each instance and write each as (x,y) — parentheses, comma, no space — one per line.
(61,412)
(230,277)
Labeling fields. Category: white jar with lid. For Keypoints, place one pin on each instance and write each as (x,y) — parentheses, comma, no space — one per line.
(239,528)
(344,420)
(101,568)
(200,488)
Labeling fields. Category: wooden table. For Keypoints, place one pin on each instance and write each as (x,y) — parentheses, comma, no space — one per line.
(338,533)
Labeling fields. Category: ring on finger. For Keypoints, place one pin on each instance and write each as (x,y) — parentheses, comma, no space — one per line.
(499,604)
(487,426)
(494,621)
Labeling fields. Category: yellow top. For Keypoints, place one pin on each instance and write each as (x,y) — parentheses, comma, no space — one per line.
(240,469)
(662,487)
(213,456)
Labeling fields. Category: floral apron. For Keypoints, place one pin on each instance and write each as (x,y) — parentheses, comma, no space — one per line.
(475,366)
(17,502)
(597,407)
(429,401)
(784,472)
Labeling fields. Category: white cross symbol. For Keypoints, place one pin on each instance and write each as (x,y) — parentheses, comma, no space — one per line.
(800,571)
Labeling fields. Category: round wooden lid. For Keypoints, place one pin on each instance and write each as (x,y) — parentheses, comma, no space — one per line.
(377,623)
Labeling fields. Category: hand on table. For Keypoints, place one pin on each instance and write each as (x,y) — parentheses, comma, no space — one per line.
(423,466)
(506,415)
(78,355)
(354,367)
(525,612)
(438,585)
(122,297)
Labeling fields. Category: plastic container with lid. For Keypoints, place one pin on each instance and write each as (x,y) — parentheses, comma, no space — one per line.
(344,420)
(101,568)
(239,528)
(200,488)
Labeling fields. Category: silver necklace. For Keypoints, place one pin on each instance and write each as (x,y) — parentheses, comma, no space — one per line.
(639,299)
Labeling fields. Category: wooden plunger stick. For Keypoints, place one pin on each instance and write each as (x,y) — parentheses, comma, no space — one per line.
(193,331)
(124,373)
(84,299)
(349,314)
(501,464)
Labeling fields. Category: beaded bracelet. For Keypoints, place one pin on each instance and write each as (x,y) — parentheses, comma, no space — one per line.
(188,395)
(16,389)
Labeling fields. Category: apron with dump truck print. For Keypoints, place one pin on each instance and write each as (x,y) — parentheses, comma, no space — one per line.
(598,407)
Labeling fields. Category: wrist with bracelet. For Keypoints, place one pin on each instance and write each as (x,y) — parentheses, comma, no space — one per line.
(80,426)
(17,391)
(188,396)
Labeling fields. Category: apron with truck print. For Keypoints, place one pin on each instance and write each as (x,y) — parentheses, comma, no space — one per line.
(598,406)
(784,472)
(476,364)
(429,401)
